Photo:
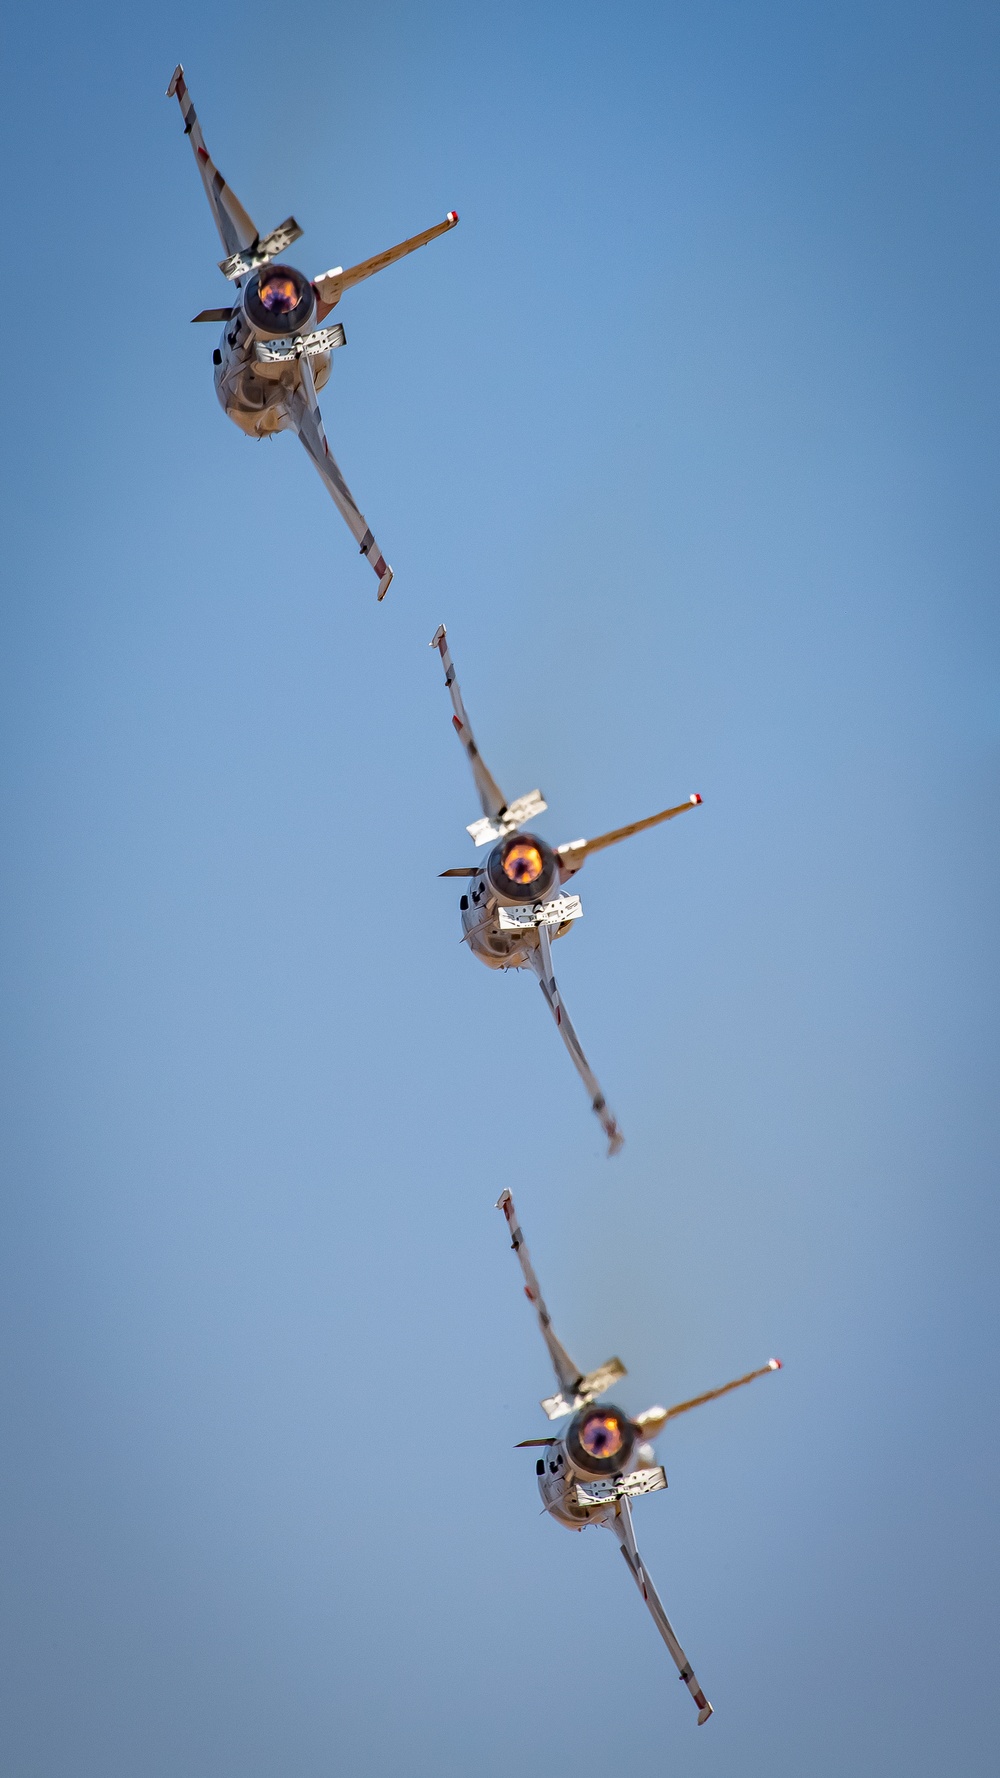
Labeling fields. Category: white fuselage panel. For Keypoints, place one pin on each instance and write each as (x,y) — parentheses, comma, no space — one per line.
(487,939)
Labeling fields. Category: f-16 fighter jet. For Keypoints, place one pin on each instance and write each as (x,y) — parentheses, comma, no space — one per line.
(274,355)
(603,1460)
(516,905)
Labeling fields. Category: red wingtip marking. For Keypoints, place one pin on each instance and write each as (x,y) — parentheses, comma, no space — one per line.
(452,215)
(695,798)
(775,1364)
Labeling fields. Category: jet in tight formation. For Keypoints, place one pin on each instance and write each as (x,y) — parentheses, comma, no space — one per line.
(516,904)
(591,1472)
(274,355)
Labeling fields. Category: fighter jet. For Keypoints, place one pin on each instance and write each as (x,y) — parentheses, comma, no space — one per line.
(274,355)
(515,903)
(604,1459)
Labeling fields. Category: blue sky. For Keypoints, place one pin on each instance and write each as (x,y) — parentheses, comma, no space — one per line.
(689,434)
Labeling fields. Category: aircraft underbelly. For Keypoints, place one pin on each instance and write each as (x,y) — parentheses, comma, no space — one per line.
(252,393)
(557,1487)
(498,950)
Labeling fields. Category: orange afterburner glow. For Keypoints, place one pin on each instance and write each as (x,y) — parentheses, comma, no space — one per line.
(279,293)
(601,1435)
(523,863)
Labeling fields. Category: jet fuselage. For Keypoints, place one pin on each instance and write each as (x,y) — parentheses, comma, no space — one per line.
(600,1445)
(251,392)
(520,870)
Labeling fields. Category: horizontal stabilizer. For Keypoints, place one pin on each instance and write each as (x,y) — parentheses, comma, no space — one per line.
(250,259)
(603,1378)
(213,315)
(541,913)
(587,1389)
(557,1407)
(642,1481)
(309,345)
(522,809)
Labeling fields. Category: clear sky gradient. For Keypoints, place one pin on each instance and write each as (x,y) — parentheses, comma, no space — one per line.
(689,434)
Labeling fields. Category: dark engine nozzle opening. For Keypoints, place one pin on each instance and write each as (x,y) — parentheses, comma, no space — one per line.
(600,1440)
(521,868)
(278,300)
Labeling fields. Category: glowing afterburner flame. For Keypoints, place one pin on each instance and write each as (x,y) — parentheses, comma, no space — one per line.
(278,293)
(601,1435)
(523,863)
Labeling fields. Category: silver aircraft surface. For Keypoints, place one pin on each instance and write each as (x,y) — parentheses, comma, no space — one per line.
(590,1473)
(274,355)
(515,905)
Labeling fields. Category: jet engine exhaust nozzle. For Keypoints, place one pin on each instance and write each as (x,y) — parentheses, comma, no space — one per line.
(600,1440)
(278,301)
(522,868)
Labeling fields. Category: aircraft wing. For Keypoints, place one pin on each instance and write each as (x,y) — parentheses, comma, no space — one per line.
(330,286)
(572,855)
(652,1422)
(541,963)
(237,231)
(303,412)
(575,1389)
(620,1522)
(568,1375)
(492,798)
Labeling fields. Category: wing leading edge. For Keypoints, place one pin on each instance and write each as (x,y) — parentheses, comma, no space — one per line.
(575,1389)
(330,286)
(302,408)
(237,231)
(652,1422)
(573,854)
(491,797)
(541,963)
(499,816)
(620,1522)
